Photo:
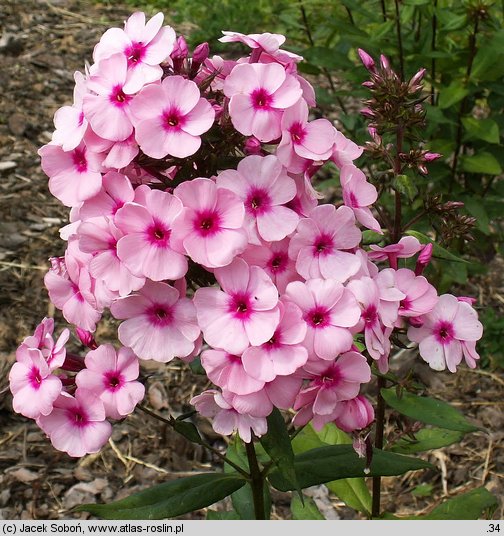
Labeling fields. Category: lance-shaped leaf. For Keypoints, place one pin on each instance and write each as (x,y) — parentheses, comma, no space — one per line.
(306,509)
(170,499)
(428,410)
(277,444)
(427,439)
(324,464)
(438,251)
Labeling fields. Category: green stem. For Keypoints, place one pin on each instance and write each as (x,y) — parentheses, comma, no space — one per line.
(383,10)
(399,40)
(433,49)
(256,481)
(397,171)
(379,427)
(204,444)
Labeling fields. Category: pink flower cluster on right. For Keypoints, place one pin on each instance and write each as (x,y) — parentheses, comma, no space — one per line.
(244,268)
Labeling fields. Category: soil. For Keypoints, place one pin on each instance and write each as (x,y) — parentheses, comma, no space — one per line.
(42,43)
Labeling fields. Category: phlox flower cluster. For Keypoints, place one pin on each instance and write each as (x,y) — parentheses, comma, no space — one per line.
(194,223)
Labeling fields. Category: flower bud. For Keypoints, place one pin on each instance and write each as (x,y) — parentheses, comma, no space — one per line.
(367,112)
(467,299)
(384,62)
(252,146)
(86,338)
(180,50)
(200,53)
(367,60)
(417,78)
(424,258)
(429,157)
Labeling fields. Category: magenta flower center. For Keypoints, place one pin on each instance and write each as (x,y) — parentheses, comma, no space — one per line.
(317,317)
(405,305)
(323,245)
(173,119)
(160,315)
(113,380)
(207,223)
(329,378)
(278,263)
(353,200)
(261,99)
(444,332)
(369,315)
(135,52)
(78,417)
(240,307)
(158,234)
(258,201)
(297,132)
(35,378)
(79,160)
(118,97)
(275,341)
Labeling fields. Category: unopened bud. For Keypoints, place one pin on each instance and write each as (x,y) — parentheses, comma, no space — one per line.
(86,338)
(467,299)
(218,110)
(417,78)
(367,60)
(367,112)
(180,50)
(416,321)
(424,258)
(384,62)
(429,157)
(252,146)
(200,53)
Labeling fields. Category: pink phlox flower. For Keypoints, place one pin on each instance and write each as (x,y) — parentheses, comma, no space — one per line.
(376,333)
(405,248)
(264,187)
(420,296)
(355,414)
(33,385)
(115,192)
(329,310)
(390,296)
(77,425)
(259,93)
(227,372)
(73,290)
(283,354)
(449,332)
(330,384)
(319,240)
(217,69)
(306,198)
(158,323)
(226,419)
(42,339)
(144,46)
(345,151)
(118,154)
(112,376)
(108,107)
(367,267)
(74,176)
(99,236)
(274,259)
(170,118)
(267,42)
(358,194)
(303,141)
(210,227)
(147,247)
(69,121)
(244,312)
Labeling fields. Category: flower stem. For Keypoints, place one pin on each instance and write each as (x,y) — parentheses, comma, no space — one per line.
(399,40)
(256,481)
(380,424)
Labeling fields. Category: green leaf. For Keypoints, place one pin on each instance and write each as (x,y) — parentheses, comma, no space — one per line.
(324,464)
(481,162)
(428,410)
(170,499)
(352,491)
(188,430)
(277,444)
(405,185)
(222,515)
(476,208)
(481,129)
(450,95)
(470,505)
(371,237)
(438,252)
(308,510)
(423,490)
(426,439)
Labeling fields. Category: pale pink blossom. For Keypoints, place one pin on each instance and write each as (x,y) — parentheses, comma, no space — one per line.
(420,296)
(319,240)
(144,45)
(170,118)
(358,194)
(306,198)
(283,354)
(244,312)
(147,247)
(74,176)
(303,141)
(225,419)
(345,151)
(108,107)
(449,332)
(210,227)
(405,248)
(329,310)
(264,187)
(259,93)
(354,414)
(33,385)
(112,377)
(77,425)
(268,42)
(158,323)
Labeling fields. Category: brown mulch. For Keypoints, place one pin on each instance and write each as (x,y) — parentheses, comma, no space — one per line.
(41,45)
